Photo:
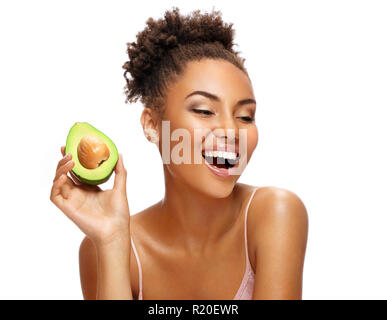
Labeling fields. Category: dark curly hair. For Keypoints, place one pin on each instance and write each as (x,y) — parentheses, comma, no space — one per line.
(165,46)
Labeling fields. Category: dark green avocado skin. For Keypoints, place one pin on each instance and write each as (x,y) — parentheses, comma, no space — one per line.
(93,182)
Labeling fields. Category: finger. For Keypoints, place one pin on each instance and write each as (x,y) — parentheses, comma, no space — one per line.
(64,169)
(84,186)
(77,182)
(67,187)
(75,178)
(120,175)
(62,161)
(55,195)
(59,199)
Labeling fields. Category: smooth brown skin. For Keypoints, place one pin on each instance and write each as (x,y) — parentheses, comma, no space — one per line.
(191,243)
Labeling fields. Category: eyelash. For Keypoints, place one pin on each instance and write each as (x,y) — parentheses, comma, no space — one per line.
(203,112)
(208,113)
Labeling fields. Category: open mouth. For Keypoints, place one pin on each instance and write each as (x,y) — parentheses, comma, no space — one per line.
(221,160)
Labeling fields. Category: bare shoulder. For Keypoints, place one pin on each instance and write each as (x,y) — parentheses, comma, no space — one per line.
(278,232)
(276,216)
(278,204)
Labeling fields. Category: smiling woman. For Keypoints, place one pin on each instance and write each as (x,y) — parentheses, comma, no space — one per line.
(210,237)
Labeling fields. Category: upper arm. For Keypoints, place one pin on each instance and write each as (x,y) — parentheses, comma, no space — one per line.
(281,231)
(88,269)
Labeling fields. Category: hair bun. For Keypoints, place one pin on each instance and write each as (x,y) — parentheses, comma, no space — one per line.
(162,35)
(155,43)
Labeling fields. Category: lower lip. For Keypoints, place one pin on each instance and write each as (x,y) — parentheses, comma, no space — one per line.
(218,171)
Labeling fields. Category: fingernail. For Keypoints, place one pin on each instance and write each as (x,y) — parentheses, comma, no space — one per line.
(67,156)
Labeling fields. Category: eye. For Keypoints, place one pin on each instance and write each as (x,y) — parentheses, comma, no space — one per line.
(206,112)
(247,119)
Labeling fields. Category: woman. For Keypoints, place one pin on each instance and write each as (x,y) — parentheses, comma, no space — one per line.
(197,242)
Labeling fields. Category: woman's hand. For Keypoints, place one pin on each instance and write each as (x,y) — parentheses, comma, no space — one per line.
(102,215)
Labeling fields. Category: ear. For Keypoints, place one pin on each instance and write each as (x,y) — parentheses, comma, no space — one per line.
(149,124)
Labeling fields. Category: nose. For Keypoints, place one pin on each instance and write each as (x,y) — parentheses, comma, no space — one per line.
(227,128)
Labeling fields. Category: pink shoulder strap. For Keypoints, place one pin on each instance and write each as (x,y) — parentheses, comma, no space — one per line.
(139,271)
(245,230)
(246,287)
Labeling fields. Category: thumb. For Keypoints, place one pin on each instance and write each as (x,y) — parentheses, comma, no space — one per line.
(120,175)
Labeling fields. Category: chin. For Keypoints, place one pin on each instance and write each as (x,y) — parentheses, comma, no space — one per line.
(201,179)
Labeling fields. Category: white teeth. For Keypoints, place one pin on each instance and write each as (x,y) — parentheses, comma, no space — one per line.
(222,154)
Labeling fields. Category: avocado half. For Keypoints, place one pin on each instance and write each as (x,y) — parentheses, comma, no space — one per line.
(90,176)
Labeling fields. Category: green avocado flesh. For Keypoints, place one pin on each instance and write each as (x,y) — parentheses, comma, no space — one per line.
(104,171)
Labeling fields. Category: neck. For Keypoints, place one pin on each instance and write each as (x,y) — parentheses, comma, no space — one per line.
(194,219)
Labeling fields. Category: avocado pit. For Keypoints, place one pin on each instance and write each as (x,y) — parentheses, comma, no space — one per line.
(92,152)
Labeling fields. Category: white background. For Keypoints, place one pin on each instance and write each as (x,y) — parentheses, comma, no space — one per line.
(319,73)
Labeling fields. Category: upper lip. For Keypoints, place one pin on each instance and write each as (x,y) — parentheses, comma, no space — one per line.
(223,147)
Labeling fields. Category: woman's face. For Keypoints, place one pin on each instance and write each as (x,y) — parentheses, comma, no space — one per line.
(208,121)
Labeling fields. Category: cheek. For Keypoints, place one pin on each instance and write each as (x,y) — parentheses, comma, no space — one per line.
(252,140)
(191,128)
(181,143)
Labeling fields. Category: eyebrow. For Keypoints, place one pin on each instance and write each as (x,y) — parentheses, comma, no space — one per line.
(216,98)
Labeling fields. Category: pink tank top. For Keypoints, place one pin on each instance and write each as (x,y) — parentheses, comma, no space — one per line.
(246,289)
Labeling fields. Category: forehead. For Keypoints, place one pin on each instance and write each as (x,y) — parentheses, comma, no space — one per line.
(219,77)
